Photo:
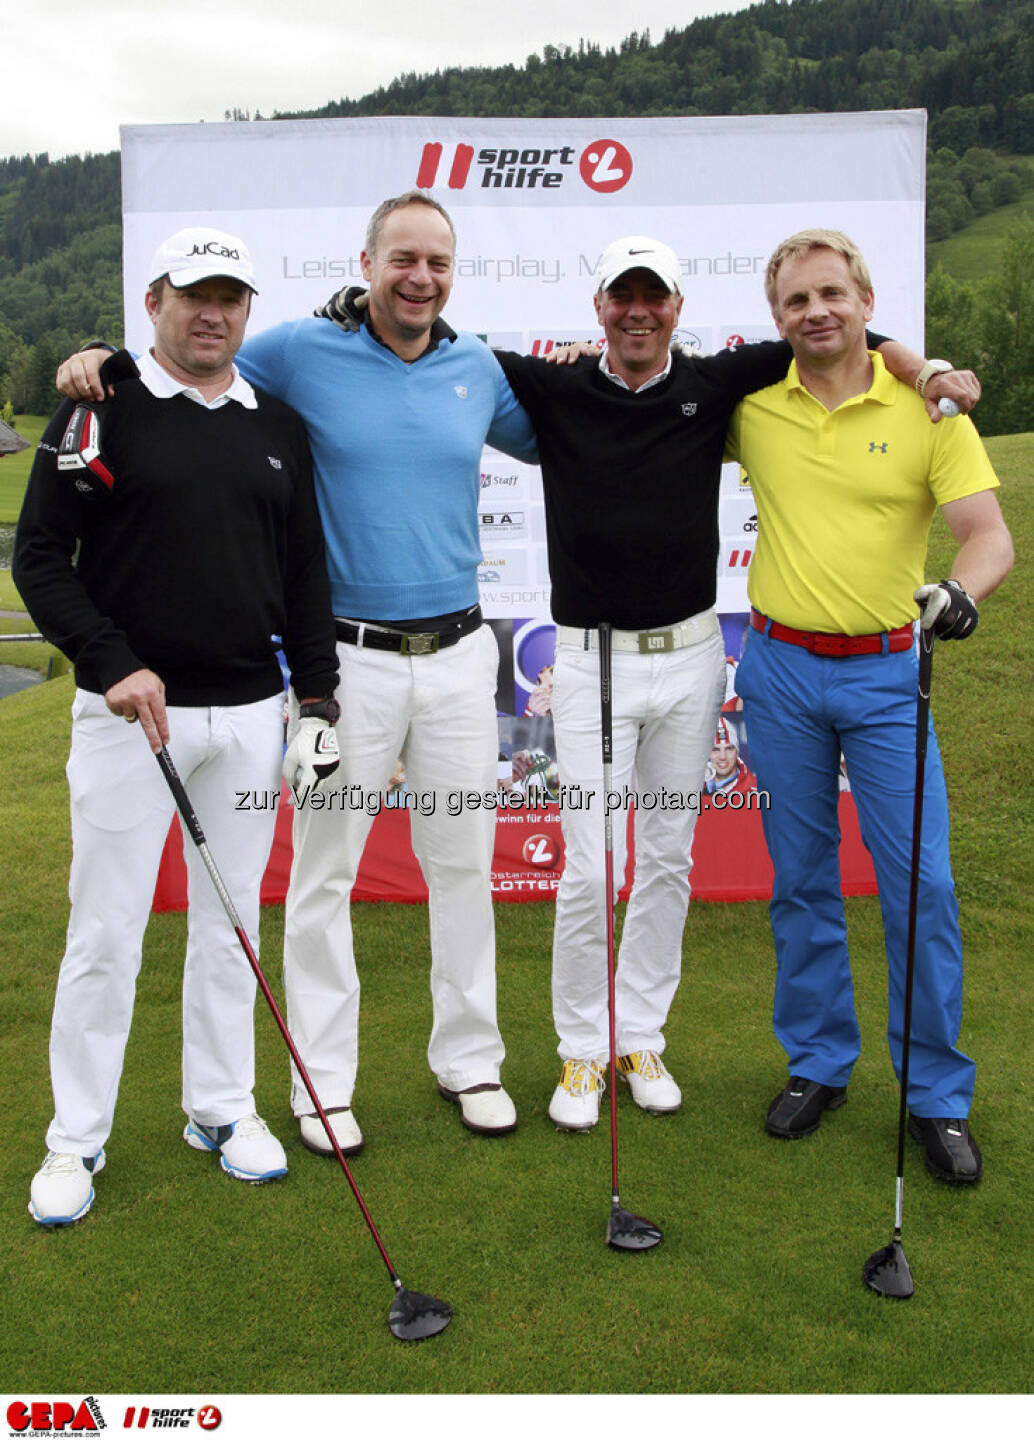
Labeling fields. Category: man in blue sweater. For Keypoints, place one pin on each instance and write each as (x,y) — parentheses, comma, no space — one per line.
(397,414)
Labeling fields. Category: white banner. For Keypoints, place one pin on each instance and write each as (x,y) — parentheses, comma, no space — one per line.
(535,202)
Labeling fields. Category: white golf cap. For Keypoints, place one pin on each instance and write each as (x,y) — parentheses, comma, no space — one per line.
(199,254)
(639,252)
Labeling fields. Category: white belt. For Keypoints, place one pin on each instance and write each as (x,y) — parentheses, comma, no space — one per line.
(645,642)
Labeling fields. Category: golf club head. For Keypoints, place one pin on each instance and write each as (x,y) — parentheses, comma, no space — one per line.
(417,1317)
(888,1274)
(626,1231)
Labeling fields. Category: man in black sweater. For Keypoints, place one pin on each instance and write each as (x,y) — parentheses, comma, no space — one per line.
(167,566)
(630,444)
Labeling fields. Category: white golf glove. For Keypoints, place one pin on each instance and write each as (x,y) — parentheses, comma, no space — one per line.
(948,609)
(313,754)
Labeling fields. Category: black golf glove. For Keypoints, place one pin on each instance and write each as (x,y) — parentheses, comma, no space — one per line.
(947,608)
(345,307)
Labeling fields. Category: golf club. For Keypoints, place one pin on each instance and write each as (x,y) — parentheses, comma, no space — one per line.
(625,1231)
(887,1271)
(412,1316)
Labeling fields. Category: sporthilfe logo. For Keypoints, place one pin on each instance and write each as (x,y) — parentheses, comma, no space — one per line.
(541,850)
(604,165)
(738,558)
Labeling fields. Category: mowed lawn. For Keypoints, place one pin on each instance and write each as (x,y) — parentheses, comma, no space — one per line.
(181,1280)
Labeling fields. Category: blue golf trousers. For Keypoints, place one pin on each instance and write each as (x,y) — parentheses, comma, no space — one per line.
(802,711)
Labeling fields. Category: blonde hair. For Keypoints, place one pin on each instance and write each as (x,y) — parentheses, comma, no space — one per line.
(817,239)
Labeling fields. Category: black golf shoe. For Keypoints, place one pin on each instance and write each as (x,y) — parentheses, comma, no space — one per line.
(951,1152)
(797,1110)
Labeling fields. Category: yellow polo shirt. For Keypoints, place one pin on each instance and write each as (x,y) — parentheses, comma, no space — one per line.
(845,499)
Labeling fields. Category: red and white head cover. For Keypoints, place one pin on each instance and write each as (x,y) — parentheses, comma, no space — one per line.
(724,734)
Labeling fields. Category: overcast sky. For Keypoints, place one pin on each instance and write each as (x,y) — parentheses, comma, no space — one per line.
(74,70)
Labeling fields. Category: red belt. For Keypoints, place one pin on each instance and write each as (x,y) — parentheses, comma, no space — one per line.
(836,646)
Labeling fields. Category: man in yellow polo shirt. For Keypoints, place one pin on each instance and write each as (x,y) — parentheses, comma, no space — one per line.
(847,472)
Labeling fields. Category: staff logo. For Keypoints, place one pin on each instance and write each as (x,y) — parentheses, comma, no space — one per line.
(606,166)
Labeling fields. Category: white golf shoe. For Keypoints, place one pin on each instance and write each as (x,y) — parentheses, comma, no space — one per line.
(247,1150)
(485,1109)
(344,1125)
(652,1087)
(576,1100)
(62,1188)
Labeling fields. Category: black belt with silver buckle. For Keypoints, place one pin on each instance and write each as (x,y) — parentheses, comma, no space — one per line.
(368,636)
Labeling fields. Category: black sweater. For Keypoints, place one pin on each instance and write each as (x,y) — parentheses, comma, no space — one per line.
(631,480)
(208,545)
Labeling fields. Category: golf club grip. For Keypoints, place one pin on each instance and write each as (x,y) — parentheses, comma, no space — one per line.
(923,687)
(181,797)
(607,737)
(606,715)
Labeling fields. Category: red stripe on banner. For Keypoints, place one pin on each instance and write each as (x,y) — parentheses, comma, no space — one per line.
(460,167)
(730,860)
(428,165)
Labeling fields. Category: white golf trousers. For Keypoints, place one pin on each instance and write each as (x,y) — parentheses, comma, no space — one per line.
(438,713)
(665,708)
(121,807)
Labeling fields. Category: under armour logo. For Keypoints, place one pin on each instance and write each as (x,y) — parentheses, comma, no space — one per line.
(875,445)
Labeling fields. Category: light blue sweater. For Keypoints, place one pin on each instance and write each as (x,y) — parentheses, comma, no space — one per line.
(396,451)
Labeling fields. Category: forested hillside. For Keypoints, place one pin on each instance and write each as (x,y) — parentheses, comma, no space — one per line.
(970,63)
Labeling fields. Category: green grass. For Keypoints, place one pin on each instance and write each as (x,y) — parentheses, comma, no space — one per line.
(9,597)
(972,254)
(181,1280)
(14,469)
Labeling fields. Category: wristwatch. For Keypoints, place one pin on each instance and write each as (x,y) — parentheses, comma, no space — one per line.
(929,370)
(328,710)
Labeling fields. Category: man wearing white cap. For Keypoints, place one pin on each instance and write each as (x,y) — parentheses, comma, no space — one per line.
(630,444)
(199,546)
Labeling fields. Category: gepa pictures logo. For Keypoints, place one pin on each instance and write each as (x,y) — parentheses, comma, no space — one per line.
(57,1417)
(604,166)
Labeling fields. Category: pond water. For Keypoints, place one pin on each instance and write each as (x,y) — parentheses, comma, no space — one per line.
(12,677)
